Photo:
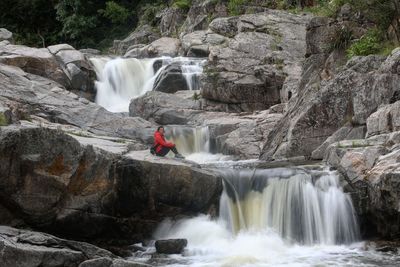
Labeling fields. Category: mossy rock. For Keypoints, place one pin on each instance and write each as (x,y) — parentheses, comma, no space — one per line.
(3,119)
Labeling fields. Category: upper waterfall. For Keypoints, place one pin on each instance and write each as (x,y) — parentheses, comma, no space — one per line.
(121,79)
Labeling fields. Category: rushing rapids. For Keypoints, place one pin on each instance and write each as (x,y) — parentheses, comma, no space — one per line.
(121,79)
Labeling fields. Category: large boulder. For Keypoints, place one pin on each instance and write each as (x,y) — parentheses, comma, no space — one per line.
(60,63)
(77,67)
(28,249)
(163,108)
(170,79)
(165,46)
(38,61)
(85,188)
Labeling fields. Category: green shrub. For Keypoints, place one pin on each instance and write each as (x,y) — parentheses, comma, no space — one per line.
(115,12)
(182,4)
(3,120)
(235,7)
(341,39)
(369,43)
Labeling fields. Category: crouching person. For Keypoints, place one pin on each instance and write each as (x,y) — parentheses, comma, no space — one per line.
(161,147)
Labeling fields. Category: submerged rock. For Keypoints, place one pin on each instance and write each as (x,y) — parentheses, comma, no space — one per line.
(171,246)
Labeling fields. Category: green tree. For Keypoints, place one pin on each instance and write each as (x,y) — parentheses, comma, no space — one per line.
(33,22)
(115,12)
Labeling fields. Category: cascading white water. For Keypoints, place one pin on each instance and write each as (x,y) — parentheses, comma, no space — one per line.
(191,70)
(276,217)
(288,201)
(121,79)
(193,143)
(190,140)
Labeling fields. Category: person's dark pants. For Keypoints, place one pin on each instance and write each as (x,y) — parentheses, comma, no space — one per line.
(164,151)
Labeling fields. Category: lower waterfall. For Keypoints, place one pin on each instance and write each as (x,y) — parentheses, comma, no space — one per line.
(295,216)
(306,207)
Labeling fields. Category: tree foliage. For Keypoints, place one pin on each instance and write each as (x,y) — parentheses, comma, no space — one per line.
(82,23)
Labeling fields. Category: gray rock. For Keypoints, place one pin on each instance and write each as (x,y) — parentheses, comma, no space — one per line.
(77,188)
(254,60)
(98,262)
(6,35)
(77,68)
(171,20)
(90,51)
(225,26)
(37,61)
(370,169)
(320,32)
(125,263)
(164,46)
(44,98)
(200,14)
(351,96)
(170,79)
(163,108)
(171,246)
(27,248)
(144,34)
(347,132)
(386,119)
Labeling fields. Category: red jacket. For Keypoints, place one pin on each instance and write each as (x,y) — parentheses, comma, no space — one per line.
(159,142)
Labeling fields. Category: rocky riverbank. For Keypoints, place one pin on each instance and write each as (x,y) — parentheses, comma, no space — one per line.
(272,89)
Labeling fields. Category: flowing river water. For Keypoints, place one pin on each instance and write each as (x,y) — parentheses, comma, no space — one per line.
(293,216)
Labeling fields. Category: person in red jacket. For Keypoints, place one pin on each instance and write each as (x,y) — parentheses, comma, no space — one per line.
(161,146)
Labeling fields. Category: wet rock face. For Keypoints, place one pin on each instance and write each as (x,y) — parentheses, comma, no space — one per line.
(171,246)
(73,187)
(170,80)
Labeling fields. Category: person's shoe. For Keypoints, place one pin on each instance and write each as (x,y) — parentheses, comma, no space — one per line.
(179,156)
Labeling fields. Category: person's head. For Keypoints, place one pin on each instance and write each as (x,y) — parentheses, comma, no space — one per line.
(160,129)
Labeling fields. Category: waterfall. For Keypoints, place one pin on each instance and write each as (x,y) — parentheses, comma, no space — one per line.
(303,206)
(189,140)
(121,79)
